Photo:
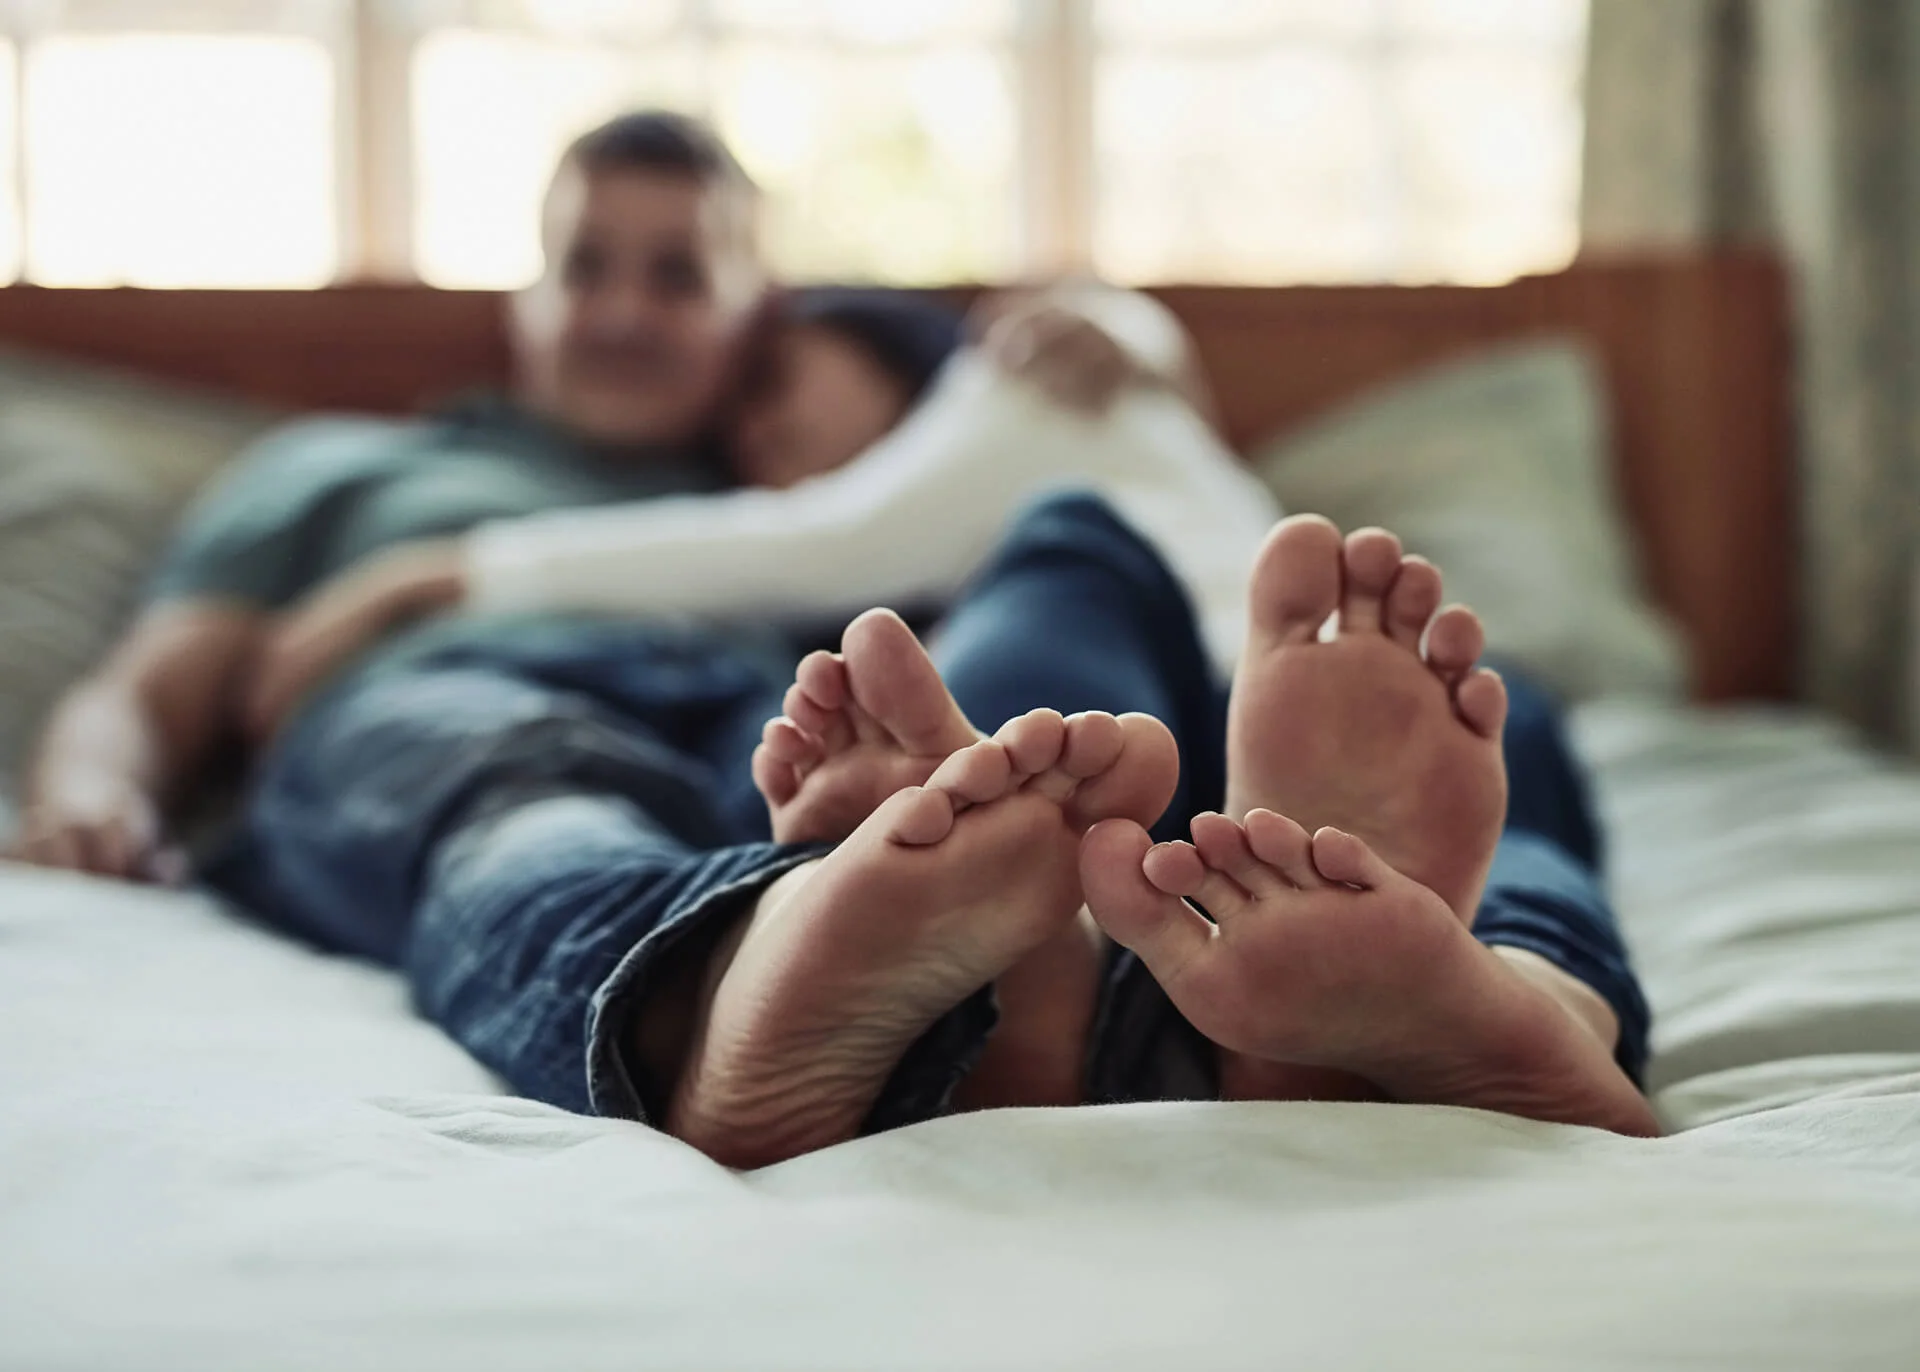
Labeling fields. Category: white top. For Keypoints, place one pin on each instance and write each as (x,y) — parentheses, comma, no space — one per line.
(908,521)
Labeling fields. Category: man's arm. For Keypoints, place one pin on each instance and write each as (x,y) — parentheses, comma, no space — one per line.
(129,738)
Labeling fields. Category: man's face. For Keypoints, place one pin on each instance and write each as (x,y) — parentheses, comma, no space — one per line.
(628,337)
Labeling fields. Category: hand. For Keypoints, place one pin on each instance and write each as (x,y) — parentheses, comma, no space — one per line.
(93,821)
(341,620)
(1070,358)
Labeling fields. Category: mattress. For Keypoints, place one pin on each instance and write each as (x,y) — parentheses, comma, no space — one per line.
(219,1150)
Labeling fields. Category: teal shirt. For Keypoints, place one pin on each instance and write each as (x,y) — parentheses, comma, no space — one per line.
(315,497)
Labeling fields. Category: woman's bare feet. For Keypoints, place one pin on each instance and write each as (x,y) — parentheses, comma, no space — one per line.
(857,726)
(843,963)
(1323,956)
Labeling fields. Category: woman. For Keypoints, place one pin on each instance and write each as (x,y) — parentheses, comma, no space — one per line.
(880,461)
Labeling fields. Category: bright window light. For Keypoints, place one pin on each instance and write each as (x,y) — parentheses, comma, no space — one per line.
(881,166)
(180,160)
(1337,140)
(492,112)
(901,141)
(9,172)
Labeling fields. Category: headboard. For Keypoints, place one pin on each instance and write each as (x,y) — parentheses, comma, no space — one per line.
(1695,350)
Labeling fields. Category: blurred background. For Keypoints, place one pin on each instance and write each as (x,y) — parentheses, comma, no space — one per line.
(297,142)
(256,143)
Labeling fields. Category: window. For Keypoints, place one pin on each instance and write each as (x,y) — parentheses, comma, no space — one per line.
(291,142)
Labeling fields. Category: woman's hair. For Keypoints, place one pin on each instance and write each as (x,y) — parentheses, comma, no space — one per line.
(907,336)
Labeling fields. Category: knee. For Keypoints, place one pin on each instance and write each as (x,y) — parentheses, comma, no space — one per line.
(1081,528)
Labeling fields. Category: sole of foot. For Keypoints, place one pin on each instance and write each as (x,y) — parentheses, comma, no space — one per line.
(1387,730)
(814,997)
(1319,956)
(856,726)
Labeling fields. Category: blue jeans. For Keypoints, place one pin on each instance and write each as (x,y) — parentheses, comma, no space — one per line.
(531,830)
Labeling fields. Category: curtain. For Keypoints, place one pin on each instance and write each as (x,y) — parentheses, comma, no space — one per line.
(1794,123)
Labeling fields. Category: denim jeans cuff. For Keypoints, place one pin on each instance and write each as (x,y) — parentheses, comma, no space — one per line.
(611,1086)
(919,1088)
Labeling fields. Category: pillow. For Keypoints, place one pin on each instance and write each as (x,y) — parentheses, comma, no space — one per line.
(94,468)
(1497,469)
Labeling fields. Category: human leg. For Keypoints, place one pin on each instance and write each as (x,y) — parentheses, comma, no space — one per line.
(529,856)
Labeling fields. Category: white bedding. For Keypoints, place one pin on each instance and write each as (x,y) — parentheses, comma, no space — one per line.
(218,1151)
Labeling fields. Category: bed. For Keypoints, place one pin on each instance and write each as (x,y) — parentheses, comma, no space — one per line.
(218,1150)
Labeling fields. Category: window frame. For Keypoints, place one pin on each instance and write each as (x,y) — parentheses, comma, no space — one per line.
(1054,47)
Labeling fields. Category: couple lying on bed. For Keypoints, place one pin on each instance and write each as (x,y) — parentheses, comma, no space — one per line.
(930,881)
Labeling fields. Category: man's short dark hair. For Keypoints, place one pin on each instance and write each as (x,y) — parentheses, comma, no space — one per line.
(658,141)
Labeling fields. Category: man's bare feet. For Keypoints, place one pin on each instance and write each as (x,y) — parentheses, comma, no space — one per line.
(869,720)
(858,725)
(843,963)
(1322,955)
(1363,733)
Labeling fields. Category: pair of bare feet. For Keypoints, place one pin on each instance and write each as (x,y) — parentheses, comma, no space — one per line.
(1367,793)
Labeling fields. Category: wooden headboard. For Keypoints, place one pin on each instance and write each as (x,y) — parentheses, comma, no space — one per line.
(1695,351)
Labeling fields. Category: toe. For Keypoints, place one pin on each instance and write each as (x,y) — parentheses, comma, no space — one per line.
(1482,702)
(1176,868)
(1284,846)
(776,781)
(1454,642)
(1164,930)
(831,727)
(1411,601)
(1296,580)
(1339,856)
(918,816)
(823,676)
(786,742)
(1094,742)
(1033,741)
(891,677)
(1140,780)
(1223,844)
(1370,561)
(975,775)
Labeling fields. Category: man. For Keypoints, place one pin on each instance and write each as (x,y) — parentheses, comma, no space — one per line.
(623,347)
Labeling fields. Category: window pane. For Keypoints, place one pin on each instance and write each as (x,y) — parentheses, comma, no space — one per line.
(1222,169)
(891,167)
(1302,141)
(1498,21)
(9,199)
(621,19)
(872,21)
(1491,158)
(492,113)
(1263,20)
(180,160)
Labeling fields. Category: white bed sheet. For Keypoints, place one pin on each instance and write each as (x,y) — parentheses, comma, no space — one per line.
(219,1151)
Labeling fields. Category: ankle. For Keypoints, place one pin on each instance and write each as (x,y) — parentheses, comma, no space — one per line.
(666,1029)
(1037,1055)
(1586,1006)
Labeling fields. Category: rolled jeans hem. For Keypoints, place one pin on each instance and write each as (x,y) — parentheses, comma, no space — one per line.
(919,1087)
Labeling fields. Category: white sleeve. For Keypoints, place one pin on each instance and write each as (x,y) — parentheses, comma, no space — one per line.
(908,520)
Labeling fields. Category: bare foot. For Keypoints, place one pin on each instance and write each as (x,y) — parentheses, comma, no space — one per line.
(858,725)
(1362,733)
(843,963)
(1322,955)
